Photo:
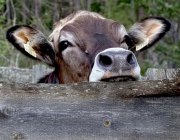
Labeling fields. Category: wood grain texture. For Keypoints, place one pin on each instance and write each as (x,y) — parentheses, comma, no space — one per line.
(143,110)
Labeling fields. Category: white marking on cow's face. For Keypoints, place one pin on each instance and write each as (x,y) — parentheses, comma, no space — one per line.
(122,33)
(59,25)
(74,64)
(66,36)
(137,71)
(85,43)
(98,73)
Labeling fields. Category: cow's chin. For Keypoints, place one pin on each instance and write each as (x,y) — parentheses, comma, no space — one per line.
(112,77)
(119,79)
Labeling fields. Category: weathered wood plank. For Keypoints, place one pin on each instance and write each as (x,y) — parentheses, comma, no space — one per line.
(134,118)
(156,74)
(172,74)
(162,74)
(22,75)
(142,110)
(104,89)
(87,111)
(12,75)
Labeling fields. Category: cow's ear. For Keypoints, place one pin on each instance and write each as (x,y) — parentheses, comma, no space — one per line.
(146,32)
(32,43)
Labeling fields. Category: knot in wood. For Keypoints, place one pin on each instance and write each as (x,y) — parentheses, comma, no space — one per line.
(17,136)
(107,123)
(9,111)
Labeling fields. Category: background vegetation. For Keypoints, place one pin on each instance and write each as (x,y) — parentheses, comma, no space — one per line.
(41,14)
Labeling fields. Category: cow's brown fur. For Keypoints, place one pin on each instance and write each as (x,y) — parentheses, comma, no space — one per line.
(92,33)
(89,35)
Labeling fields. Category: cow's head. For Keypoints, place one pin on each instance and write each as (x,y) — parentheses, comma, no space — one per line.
(88,47)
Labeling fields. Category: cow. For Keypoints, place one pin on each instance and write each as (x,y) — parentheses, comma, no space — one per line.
(86,46)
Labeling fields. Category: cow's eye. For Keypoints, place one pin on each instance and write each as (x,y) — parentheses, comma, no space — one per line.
(128,40)
(64,44)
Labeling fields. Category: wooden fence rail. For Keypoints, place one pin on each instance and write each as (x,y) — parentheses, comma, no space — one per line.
(134,110)
(19,75)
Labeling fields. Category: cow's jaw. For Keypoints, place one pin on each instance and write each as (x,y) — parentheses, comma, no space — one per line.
(116,66)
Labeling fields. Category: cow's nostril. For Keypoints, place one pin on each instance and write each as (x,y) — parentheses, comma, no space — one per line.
(105,60)
(131,59)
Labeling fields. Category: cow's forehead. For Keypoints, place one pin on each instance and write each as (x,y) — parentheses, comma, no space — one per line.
(77,15)
(88,22)
(71,19)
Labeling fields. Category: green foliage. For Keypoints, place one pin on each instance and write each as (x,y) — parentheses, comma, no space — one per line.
(2,3)
(118,10)
(96,7)
(169,52)
(145,64)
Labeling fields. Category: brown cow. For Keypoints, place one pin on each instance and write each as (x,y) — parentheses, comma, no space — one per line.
(88,47)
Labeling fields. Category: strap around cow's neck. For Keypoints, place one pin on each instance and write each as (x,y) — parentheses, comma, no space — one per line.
(54,80)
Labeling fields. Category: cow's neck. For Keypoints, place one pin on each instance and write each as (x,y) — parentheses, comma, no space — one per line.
(70,76)
(49,78)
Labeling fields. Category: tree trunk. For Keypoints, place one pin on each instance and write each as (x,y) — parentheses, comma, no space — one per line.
(174,32)
(89,5)
(139,13)
(82,4)
(76,5)
(107,5)
(56,10)
(37,6)
(25,11)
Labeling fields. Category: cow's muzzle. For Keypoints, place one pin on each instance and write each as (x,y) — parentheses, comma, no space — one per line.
(115,64)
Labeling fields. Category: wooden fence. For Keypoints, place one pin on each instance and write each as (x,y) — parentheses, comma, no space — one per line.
(19,75)
(134,110)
